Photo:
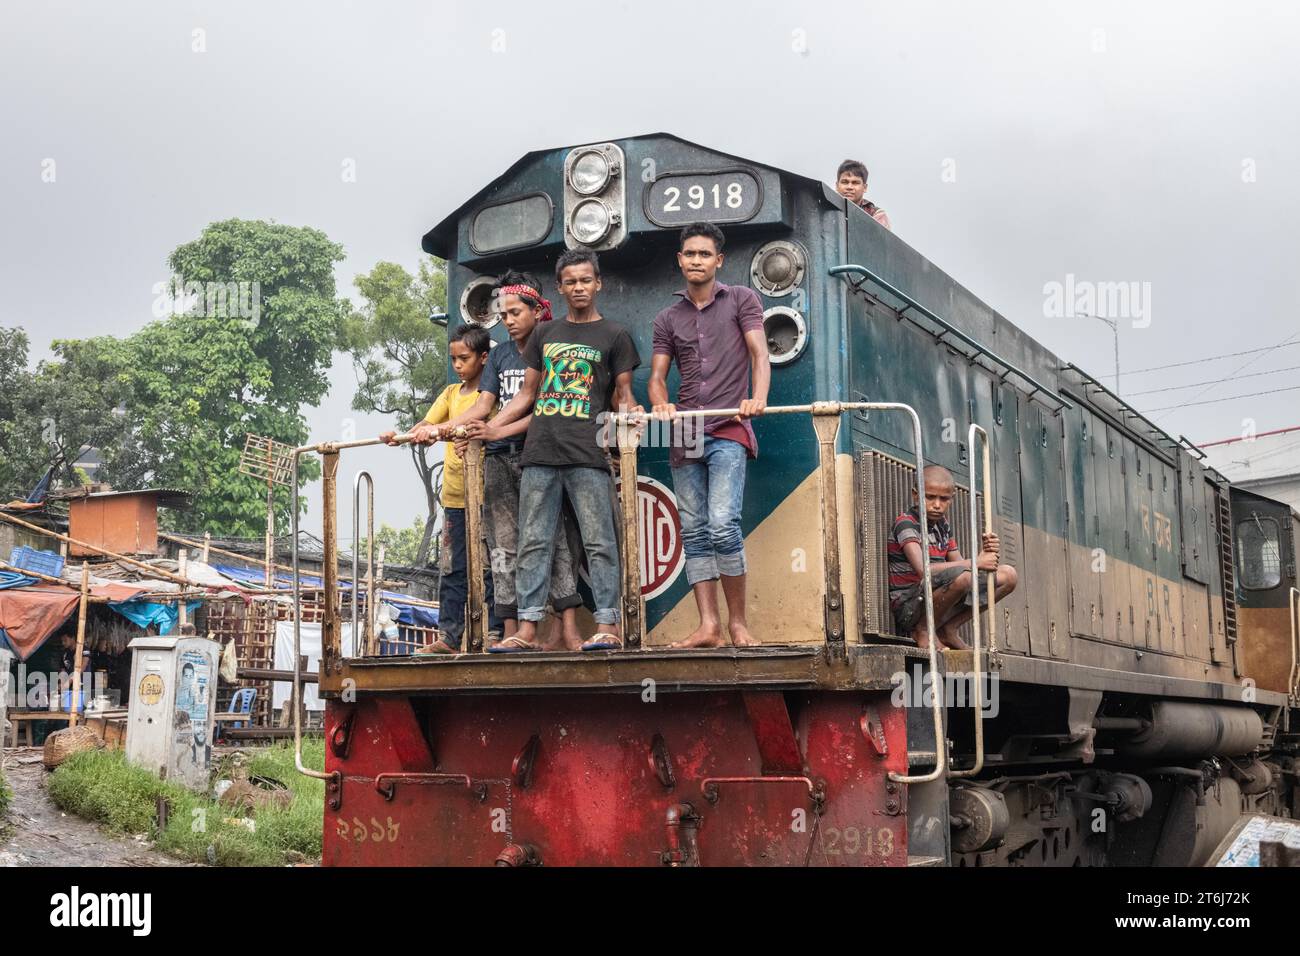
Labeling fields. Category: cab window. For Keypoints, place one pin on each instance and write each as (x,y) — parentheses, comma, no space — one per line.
(1259,553)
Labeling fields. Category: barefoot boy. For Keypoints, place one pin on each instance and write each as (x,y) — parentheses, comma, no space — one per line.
(714,333)
(949,571)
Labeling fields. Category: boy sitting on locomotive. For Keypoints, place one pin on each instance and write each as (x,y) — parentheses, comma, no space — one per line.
(949,572)
(578,369)
(715,334)
(468,346)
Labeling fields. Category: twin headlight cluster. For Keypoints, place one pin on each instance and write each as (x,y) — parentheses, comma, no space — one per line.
(595,217)
(595,197)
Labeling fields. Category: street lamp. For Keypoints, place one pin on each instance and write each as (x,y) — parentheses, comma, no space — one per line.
(1114,327)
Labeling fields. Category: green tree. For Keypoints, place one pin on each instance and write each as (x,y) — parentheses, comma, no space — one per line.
(170,405)
(400,358)
(401,545)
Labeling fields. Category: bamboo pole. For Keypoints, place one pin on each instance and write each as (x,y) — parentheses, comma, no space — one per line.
(81,645)
(182,617)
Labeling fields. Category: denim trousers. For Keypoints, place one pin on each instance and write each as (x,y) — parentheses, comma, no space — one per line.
(541,491)
(453,583)
(710,491)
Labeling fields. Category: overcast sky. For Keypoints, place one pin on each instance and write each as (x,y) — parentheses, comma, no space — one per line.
(1013,144)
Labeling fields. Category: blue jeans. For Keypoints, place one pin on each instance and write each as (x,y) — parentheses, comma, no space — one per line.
(453,584)
(541,490)
(710,492)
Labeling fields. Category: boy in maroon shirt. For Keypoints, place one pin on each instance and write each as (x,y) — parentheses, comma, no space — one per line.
(715,335)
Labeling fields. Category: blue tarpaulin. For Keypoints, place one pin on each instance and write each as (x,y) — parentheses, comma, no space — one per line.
(412,614)
(144,613)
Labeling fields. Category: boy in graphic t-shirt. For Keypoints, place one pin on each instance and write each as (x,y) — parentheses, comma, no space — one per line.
(578,369)
(523,309)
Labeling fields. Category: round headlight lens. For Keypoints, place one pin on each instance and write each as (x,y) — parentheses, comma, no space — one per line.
(590,222)
(589,173)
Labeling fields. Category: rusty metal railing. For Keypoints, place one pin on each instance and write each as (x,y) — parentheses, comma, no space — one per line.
(1293,686)
(826,425)
(991,578)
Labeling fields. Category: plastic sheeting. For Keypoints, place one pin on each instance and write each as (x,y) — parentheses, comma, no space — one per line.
(145,613)
(282,690)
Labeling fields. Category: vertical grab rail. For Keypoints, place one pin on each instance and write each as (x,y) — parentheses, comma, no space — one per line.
(363,638)
(991,578)
(1294,687)
(329,452)
(295,698)
(475,594)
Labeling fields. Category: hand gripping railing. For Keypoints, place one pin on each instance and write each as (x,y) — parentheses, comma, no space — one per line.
(975,547)
(826,423)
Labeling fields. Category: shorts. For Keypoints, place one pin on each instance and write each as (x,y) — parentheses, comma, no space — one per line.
(909,606)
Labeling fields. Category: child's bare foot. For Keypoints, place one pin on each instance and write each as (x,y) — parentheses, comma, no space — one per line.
(950,639)
(706,635)
(740,636)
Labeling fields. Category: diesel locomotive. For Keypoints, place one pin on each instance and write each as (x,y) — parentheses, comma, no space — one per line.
(1133,697)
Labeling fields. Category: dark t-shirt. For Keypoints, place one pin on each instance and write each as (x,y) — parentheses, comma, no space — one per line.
(502,376)
(579,362)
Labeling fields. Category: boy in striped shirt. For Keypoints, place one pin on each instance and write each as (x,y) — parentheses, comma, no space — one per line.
(949,572)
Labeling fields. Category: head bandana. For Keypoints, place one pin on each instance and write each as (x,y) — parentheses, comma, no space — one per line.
(532,294)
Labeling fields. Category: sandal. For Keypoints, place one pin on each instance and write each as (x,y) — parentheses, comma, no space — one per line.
(604,641)
(512,645)
(436,649)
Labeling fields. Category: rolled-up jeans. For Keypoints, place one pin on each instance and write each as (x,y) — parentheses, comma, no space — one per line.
(541,491)
(710,491)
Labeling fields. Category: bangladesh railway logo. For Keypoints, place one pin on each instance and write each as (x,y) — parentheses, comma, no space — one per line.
(662,558)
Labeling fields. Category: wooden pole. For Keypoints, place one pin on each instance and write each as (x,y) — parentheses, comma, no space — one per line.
(207,545)
(182,617)
(270,513)
(81,645)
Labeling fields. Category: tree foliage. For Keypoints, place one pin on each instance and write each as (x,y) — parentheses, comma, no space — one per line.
(169,406)
(400,358)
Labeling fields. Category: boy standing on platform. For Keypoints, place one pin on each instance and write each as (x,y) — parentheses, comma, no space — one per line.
(714,333)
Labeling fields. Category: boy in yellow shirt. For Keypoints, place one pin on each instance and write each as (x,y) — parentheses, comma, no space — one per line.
(469,346)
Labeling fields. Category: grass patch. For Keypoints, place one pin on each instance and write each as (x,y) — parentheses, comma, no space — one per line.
(101,786)
(6,795)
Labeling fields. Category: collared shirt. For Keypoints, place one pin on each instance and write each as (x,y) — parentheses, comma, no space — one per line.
(875,212)
(708,345)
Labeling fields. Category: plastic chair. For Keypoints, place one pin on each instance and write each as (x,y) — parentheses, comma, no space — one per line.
(242,703)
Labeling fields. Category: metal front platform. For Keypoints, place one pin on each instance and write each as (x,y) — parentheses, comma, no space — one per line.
(866,667)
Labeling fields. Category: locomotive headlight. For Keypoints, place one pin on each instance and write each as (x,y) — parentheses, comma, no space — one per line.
(591,222)
(778,267)
(589,173)
(595,197)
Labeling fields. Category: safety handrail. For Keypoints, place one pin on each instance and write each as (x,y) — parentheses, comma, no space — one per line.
(975,546)
(830,412)
(296,699)
(369,631)
(950,329)
(1294,688)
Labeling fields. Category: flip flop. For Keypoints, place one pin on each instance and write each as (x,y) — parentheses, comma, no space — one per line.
(512,645)
(604,641)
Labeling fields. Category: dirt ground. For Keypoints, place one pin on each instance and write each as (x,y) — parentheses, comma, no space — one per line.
(38,833)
